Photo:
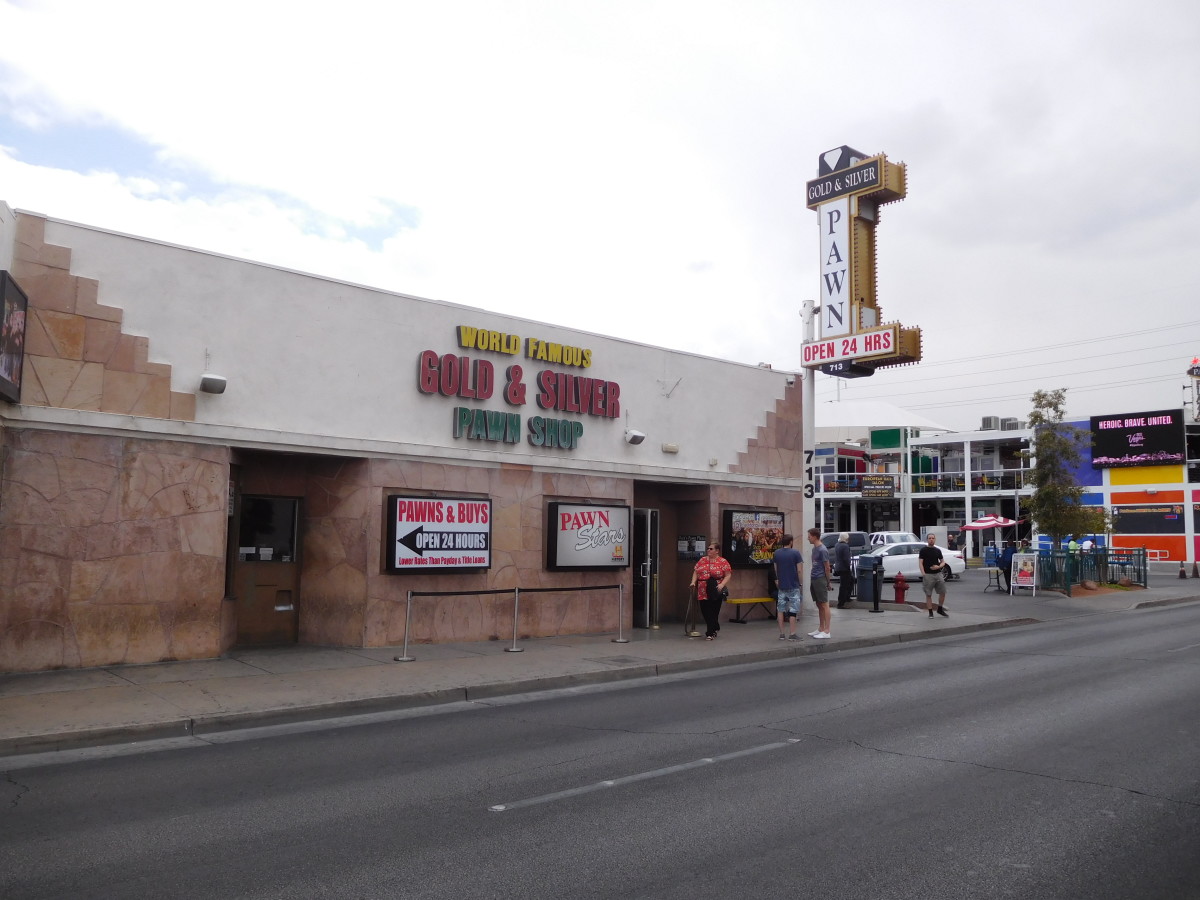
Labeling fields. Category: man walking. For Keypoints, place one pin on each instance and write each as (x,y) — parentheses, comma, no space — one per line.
(933,576)
(787,582)
(820,577)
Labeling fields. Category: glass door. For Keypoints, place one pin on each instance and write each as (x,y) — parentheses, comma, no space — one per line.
(645,568)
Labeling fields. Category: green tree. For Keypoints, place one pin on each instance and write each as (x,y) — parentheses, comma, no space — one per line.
(1057,501)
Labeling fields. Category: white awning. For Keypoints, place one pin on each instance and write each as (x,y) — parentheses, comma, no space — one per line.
(852,420)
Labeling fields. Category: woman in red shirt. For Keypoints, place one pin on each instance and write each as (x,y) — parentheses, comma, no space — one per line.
(709,578)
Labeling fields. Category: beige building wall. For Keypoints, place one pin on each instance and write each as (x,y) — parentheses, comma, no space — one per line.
(115,499)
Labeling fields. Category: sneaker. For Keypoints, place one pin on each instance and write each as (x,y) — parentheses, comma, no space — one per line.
(942,612)
(794,637)
(821,636)
(815,633)
(783,637)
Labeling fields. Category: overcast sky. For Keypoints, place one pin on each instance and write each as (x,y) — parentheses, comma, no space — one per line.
(637,169)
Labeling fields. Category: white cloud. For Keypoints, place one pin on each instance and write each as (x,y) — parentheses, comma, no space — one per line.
(637,169)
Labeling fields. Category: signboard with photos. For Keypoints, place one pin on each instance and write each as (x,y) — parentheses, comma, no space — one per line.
(1024,573)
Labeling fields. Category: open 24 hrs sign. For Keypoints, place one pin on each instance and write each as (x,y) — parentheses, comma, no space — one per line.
(875,343)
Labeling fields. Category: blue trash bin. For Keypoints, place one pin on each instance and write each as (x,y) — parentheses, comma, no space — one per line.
(867,570)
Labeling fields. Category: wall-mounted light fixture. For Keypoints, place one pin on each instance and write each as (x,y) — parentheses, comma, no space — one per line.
(670,448)
(633,436)
(212,384)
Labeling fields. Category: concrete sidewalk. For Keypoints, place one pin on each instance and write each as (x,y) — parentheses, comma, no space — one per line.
(91,707)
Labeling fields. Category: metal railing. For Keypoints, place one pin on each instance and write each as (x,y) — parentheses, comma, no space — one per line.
(1058,570)
(933,482)
(990,480)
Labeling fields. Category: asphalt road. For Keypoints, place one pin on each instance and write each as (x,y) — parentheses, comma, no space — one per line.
(1050,761)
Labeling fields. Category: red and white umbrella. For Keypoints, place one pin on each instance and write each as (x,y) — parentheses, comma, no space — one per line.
(989,522)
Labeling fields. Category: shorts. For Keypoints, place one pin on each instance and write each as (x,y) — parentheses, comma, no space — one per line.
(788,602)
(819,588)
(934,582)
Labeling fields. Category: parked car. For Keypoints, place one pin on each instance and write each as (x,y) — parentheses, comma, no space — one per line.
(858,541)
(892,537)
(903,558)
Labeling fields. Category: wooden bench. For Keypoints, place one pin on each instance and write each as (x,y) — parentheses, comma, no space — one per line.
(767,603)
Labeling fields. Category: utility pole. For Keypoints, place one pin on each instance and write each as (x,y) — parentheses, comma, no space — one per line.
(808,440)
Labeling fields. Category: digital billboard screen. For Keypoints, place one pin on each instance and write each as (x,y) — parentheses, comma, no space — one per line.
(1139,439)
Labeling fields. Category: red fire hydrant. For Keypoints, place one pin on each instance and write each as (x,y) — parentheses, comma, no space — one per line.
(900,583)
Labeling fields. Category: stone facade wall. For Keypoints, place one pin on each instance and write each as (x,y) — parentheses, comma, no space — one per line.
(111,550)
(76,355)
(519,495)
(775,451)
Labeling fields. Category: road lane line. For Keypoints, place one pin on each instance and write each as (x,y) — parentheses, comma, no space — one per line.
(640,776)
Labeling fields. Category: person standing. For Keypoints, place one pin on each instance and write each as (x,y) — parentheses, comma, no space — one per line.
(820,576)
(709,578)
(933,576)
(787,580)
(843,568)
(1004,565)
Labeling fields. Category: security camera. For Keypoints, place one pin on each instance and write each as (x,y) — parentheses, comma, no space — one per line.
(790,380)
(633,436)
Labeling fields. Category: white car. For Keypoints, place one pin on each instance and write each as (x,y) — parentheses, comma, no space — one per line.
(903,558)
(892,537)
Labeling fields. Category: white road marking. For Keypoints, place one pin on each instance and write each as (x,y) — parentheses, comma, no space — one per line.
(640,776)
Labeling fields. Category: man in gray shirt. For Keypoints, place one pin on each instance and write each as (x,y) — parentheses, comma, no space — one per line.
(819,583)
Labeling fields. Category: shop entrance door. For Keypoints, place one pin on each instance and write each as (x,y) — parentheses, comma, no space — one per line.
(645,568)
(266,576)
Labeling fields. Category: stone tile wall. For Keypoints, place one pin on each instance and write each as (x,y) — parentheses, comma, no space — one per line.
(519,496)
(111,550)
(776,450)
(76,356)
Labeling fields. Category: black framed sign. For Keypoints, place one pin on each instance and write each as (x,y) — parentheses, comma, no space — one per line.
(587,536)
(14,308)
(749,538)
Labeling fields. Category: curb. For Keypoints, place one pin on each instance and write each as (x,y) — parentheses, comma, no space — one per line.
(1166,601)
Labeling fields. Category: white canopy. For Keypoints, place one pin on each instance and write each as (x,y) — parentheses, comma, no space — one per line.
(851,420)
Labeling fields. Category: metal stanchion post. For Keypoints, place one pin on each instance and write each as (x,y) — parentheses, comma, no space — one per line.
(407,622)
(620,639)
(516,613)
(689,618)
(877,577)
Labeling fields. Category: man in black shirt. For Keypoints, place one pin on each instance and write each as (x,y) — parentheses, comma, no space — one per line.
(933,576)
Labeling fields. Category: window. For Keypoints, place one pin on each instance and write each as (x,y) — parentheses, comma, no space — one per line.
(267,531)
